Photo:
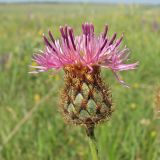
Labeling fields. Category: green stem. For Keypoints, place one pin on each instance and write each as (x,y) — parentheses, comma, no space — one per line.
(92,142)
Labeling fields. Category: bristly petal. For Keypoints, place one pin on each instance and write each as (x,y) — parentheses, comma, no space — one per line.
(105,31)
(85,49)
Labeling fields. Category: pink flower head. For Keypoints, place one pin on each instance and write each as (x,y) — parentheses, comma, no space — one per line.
(86,49)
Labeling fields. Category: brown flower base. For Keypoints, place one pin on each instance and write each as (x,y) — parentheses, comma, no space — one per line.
(85,98)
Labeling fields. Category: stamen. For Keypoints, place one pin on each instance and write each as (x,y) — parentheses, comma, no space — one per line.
(86,40)
(51,37)
(85,33)
(119,41)
(66,35)
(83,28)
(92,29)
(89,32)
(70,30)
(46,41)
(62,32)
(105,31)
(88,29)
(105,42)
(112,39)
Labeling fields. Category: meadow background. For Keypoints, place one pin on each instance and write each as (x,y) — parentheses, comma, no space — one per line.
(133,131)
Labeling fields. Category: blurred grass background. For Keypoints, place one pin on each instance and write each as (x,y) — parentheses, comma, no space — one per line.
(133,131)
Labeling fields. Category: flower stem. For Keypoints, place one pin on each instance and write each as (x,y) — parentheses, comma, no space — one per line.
(92,142)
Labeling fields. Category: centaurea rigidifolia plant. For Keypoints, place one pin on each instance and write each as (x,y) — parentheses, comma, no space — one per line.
(85,99)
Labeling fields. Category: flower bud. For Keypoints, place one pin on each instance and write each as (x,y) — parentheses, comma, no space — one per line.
(85,99)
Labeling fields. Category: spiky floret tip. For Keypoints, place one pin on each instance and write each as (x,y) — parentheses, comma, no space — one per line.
(86,49)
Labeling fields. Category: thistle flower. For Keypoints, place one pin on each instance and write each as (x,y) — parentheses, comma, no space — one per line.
(85,49)
(85,98)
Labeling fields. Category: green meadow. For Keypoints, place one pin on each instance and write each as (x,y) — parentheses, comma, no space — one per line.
(31,126)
